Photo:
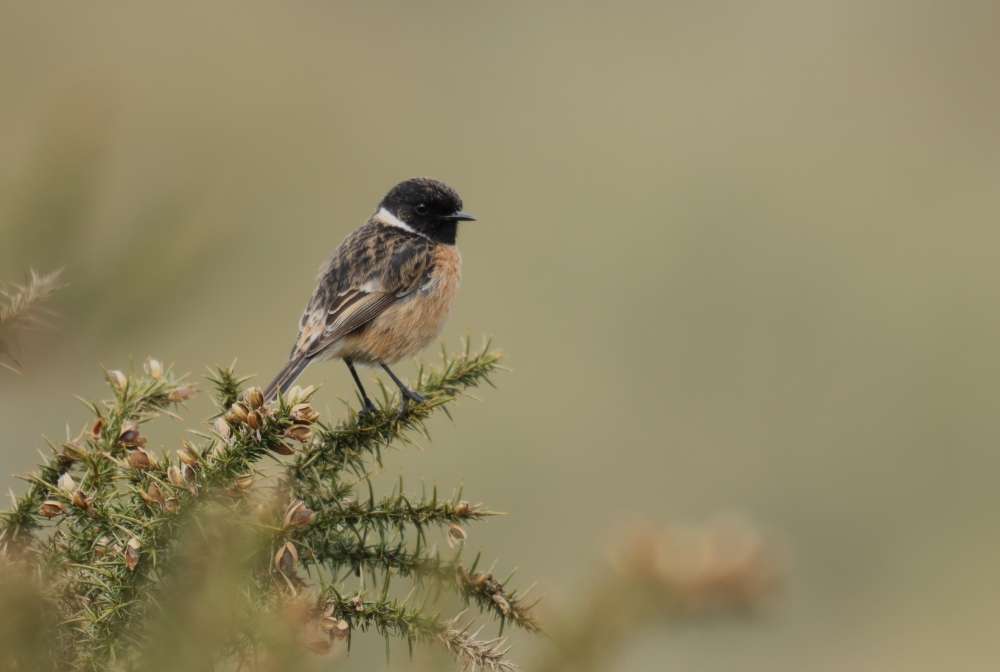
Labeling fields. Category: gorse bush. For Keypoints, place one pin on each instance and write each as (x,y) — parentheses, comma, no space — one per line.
(260,539)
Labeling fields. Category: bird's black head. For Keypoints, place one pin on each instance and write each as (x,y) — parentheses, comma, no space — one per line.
(427,206)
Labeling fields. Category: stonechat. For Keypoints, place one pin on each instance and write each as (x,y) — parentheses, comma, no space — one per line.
(387,290)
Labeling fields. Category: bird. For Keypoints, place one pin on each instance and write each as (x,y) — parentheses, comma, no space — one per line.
(386,291)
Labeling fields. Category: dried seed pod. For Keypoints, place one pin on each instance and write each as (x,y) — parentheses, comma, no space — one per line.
(175,476)
(304,413)
(254,397)
(80,500)
(66,483)
(254,420)
(298,515)
(182,393)
(171,505)
(188,455)
(97,428)
(51,508)
(456,535)
(297,395)
(152,495)
(139,459)
(117,379)
(244,482)
(300,433)
(129,436)
(237,414)
(286,558)
(132,553)
(281,448)
(154,368)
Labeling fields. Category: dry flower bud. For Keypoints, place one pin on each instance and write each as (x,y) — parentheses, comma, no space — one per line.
(80,500)
(132,553)
(456,535)
(244,482)
(97,428)
(304,413)
(129,436)
(298,515)
(188,455)
(175,476)
(300,433)
(51,508)
(223,429)
(139,459)
(171,505)
(66,483)
(182,393)
(281,448)
(153,494)
(237,414)
(254,420)
(254,397)
(297,395)
(286,558)
(154,368)
(117,379)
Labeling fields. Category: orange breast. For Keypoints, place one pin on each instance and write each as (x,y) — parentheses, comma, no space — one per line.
(410,324)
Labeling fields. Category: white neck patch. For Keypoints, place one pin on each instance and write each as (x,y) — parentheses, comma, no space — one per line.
(385,217)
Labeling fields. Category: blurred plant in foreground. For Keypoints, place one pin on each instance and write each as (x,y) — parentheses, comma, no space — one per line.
(130,560)
(22,307)
(663,578)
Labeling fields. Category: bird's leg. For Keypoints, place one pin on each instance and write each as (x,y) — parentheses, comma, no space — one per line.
(367,405)
(406,393)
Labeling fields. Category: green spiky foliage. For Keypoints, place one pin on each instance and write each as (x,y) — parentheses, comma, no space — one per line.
(121,540)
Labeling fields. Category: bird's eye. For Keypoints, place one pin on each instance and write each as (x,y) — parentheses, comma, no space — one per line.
(421,209)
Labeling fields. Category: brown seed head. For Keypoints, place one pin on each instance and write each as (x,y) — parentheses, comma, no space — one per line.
(298,515)
(237,414)
(51,508)
(223,429)
(80,500)
(139,459)
(304,413)
(182,393)
(300,433)
(132,553)
(253,397)
(188,455)
(286,558)
(175,476)
(254,420)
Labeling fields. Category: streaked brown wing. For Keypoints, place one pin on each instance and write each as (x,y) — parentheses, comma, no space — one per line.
(367,274)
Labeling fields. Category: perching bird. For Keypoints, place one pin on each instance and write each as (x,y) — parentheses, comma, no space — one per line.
(387,290)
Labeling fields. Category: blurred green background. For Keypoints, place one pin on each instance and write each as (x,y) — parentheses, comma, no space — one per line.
(742,256)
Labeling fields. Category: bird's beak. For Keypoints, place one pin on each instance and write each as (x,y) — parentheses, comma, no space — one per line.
(460,216)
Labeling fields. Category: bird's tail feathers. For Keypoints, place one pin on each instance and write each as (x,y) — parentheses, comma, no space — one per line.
(288,375)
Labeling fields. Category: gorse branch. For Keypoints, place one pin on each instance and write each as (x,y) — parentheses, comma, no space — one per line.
(22,306)
(104,517)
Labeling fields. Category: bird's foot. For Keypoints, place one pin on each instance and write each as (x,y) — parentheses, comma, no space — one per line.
(368,409)
(408,396)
